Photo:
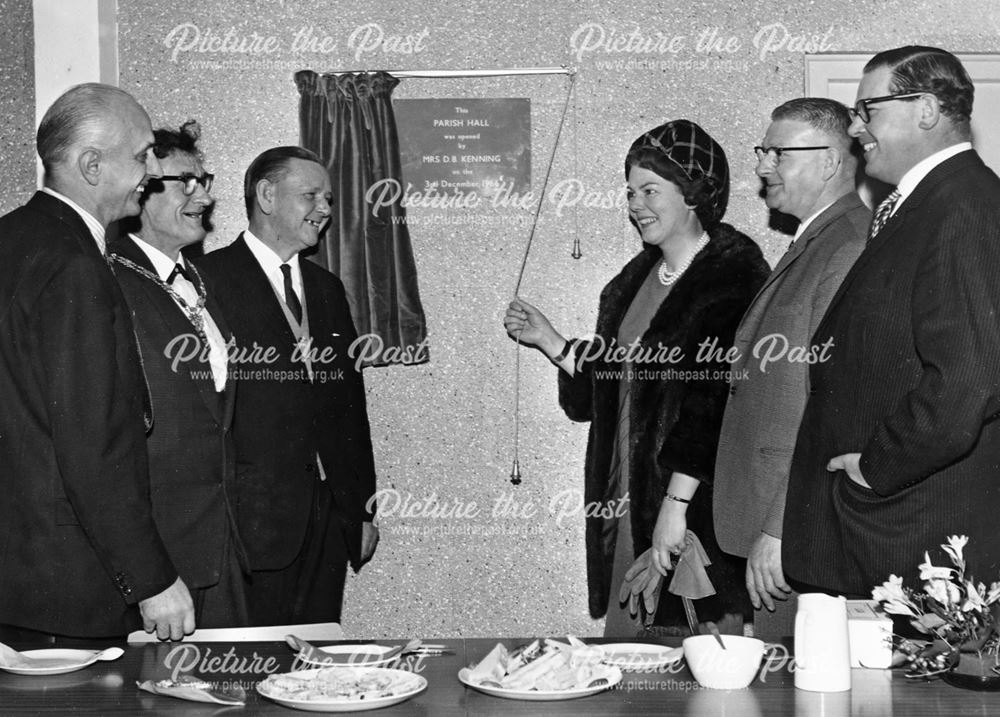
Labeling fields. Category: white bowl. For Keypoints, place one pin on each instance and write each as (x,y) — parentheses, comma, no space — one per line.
(731,669)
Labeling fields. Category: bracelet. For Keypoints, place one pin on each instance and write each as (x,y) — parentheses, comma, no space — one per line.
(671,496)
(561,356)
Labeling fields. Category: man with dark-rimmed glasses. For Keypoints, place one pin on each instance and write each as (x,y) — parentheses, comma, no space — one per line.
(807,168)
(898,446)
(184,344)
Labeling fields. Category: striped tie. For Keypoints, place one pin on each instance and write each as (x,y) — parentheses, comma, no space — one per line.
(882,213)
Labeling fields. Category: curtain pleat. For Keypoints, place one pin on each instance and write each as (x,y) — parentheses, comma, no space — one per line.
(348,121)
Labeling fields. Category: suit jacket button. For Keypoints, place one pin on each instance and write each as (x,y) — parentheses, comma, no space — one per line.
(732,390)
(310,467)
(812,391)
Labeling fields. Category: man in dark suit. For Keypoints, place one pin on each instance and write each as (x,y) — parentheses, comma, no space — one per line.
(305,471)
(899,445)
(808,172)
(182,340)
(79,548)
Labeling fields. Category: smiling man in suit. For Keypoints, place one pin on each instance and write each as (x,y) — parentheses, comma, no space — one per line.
(900,443)
(305,471)
(808,172)
(79,548)
(182,340)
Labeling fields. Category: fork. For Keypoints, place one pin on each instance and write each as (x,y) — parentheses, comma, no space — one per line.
(411,646)
(307,650)
(312,653)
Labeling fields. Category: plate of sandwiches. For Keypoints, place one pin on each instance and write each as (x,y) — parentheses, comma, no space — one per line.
(342,689)
(542,671)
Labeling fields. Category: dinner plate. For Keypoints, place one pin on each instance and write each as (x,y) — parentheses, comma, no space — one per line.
(354,655)
(613,677)
(403,686)
(636,656)
(60,661)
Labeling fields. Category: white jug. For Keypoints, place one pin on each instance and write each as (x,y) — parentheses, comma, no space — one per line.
(822,646)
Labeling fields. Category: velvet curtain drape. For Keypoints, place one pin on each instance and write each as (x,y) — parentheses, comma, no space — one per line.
(347,119)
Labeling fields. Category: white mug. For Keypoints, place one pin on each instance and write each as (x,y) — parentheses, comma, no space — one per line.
(822,645)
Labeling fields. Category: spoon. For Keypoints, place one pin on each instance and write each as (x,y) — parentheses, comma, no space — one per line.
(109,655)
(712,628)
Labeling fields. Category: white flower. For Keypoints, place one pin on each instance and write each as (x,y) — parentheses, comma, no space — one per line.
(892,597)
(939,591)
(973,598)
(895,607)
(892,589)
(954,548)
(930,572)
(994,594)
(954,593)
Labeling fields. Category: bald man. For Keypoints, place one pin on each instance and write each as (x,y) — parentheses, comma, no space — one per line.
(79,551)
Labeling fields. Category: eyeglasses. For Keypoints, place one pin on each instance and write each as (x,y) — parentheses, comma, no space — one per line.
(190,181)
(775,153)
(860,108)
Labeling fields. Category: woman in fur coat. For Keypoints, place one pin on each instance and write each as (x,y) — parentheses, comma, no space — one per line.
(653,382)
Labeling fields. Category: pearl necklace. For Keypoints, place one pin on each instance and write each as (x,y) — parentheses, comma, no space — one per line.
(668,277)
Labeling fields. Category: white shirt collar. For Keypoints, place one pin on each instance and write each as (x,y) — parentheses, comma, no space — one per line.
(809,220)
(163,264)
(95,227)
(922,168)
(271,263)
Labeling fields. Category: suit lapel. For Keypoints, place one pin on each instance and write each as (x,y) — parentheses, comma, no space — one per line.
(174,321)
(959,162)
(51,206)
(755,314)
(259,292)
(816,227)
(751,322)
(315,302)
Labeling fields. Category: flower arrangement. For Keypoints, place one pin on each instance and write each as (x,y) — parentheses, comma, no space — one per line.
(955,612)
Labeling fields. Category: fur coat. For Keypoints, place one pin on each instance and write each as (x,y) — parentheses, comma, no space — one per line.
(674,421)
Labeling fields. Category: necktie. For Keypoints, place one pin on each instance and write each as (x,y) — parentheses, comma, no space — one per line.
(291,298)
(882,213)
(178,271)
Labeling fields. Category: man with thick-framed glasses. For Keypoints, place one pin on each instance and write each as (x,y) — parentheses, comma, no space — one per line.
(189,181)
(183,341)
(807,167)
(898,446)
